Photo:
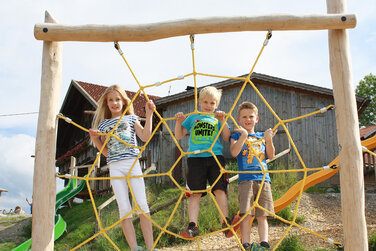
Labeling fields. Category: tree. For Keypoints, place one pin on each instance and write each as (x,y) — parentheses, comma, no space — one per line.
(367,89)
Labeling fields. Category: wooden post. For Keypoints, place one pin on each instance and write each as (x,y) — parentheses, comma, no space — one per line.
(73,169)
(350,154)
(44,186)
(74,172)
(2,190)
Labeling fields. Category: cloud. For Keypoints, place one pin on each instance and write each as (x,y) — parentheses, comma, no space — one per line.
(16,169)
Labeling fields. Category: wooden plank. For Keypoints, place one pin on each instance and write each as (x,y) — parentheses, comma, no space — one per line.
(350,154)
(44,184)
(160,30)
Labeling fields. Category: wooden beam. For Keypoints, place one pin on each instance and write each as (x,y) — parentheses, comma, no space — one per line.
(350,154)
(44,184)
(155,31)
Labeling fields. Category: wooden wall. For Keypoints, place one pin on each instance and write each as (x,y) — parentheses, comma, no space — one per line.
(315,136)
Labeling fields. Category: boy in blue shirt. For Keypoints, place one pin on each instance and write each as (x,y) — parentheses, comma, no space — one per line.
(242,141)
(202,166)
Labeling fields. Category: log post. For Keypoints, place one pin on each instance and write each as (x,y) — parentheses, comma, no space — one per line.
(44,186)
(73,168)
(350,154)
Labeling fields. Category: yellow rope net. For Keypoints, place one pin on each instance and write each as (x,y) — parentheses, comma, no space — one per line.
(163,228)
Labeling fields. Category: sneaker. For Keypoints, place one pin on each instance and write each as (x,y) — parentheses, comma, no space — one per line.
(191,231)
(265,244)
(138,248)
(228,233)
(246,246)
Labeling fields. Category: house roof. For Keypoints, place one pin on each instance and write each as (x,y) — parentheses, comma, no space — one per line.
(265,79)
(93,92)
(368,131)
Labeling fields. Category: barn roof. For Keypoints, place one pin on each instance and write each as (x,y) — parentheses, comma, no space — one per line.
(258,78)
(92,92)
(367,132)
(79,105)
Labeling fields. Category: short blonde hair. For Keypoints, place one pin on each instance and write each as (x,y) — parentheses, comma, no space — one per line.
(212,92)
(247,105)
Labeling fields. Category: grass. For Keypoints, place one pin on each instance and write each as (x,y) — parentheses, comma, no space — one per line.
(9,221)
(7,246)
(281,182)
(372,241)
(81,224)
(291,243)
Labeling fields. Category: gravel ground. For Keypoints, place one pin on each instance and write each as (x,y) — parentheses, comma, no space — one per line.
(322,214)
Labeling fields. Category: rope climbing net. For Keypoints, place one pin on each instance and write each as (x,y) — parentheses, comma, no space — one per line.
(228,117)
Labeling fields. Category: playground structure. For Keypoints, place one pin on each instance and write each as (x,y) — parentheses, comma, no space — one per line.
(350,156)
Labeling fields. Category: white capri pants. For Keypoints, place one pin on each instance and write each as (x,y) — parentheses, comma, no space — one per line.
(120,186)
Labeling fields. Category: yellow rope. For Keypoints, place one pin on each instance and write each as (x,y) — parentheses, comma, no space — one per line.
(247,81)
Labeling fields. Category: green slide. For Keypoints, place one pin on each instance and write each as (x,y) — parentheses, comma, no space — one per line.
(63,196)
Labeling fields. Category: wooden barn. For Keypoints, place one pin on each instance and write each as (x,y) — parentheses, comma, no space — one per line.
(315,137)
(369,161)
(79,105)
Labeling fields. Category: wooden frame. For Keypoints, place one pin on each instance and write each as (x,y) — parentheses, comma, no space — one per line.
(155,31)
(350,155)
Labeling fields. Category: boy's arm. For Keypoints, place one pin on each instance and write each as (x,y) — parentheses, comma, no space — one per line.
(97,140)
(144,132)
(220,115)
(237,145)
(180,131)
(269,146)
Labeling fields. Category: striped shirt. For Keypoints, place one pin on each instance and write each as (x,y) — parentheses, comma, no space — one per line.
(125,131)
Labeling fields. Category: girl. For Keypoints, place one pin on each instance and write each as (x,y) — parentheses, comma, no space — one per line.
(120,157)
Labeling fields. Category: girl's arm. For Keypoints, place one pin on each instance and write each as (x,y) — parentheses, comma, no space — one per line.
(237,145)
(144,132)
(180,131)
(98,140)
(220,115)
(269,146)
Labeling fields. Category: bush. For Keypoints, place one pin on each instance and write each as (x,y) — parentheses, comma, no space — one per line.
(291,243)
(372,242)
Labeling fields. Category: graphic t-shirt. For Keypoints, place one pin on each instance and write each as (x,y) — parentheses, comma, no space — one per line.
(247,160)
(203,129)
(117,150)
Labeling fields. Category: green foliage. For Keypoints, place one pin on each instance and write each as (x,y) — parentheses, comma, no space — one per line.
(7,246)
(316,189)
(231,166)
(372,241)
(281,182)
(80,224)
(291,243)
(367,88)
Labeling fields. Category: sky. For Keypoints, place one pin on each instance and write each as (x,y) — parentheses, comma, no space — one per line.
(293,55)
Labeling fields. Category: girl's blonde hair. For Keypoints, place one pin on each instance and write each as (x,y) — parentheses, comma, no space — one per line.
(103,112)
(212,92)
